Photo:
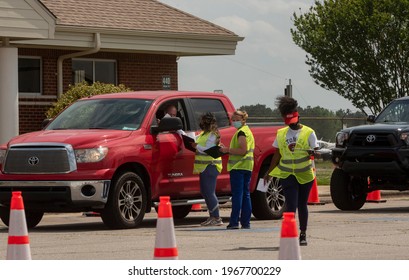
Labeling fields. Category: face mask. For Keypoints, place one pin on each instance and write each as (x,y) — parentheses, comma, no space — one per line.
(293,126)
(237,124)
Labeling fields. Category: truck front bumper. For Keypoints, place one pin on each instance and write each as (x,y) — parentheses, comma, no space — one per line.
(56,194)
(379,162)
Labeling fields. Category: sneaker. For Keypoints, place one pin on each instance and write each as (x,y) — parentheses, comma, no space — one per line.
(207,222)
(216,222)
(246,227)
(303,239)
(212,221)
(229,226)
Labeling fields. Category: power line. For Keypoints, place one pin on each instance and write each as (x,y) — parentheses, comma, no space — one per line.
(254,67)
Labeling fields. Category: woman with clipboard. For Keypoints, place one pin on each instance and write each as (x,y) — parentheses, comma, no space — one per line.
(208,167)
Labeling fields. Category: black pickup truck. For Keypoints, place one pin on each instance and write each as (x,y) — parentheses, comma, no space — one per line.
(372,157)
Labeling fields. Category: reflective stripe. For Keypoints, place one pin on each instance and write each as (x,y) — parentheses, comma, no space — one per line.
(297,160)
(165,252)
(18,240)
(300,170)
(243,159)
(207,161)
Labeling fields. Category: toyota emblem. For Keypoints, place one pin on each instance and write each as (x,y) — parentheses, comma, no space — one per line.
(370,138)
(33,160)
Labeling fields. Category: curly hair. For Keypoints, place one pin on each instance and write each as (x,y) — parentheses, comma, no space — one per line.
(208,124)
(286,105)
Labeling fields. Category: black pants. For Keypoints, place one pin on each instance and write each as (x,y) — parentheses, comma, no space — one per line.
(296,196)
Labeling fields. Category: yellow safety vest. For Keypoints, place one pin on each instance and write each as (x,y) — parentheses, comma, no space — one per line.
(245,162)
(203,160)
(298,162)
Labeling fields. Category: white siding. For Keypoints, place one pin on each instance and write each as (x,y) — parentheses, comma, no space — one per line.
(25,19)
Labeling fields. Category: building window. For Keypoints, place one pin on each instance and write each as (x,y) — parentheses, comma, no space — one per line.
(91,71)
(29,75)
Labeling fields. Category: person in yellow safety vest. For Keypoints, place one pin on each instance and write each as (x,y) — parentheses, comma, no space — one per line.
(291,162)
(240,165)
(208,167)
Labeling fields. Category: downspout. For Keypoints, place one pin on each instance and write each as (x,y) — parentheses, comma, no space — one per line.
(97,40)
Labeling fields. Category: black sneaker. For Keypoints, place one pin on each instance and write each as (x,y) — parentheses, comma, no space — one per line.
(229,226)
(303,239)
(246,227)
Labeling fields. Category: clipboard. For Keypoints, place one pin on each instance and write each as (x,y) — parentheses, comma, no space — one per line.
(214,152)
(188,141)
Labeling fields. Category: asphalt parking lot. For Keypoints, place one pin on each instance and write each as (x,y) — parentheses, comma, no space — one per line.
(377,231)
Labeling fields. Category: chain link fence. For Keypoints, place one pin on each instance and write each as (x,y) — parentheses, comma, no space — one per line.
(324,127)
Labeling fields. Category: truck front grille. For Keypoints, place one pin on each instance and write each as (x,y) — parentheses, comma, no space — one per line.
(40,158)
(381,140)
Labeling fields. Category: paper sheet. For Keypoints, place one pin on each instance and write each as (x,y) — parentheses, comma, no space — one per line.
(261,186)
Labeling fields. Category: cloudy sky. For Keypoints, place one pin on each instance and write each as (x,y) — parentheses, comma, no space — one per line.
(264,61)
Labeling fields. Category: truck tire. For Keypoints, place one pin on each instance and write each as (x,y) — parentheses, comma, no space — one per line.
(179,212)
(126,203)
(347,193)
(33,218)
(269,205)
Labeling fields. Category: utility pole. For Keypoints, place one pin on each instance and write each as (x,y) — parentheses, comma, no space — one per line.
(288,91)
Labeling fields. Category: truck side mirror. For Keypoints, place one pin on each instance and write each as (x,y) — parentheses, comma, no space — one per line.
(370,119)
(167,124)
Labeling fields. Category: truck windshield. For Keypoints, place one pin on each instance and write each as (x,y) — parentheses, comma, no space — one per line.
(397,111)
(119,114)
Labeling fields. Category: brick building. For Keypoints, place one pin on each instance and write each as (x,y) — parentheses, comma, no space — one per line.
(47,45)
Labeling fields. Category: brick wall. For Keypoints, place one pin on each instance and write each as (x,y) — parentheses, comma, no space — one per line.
(136,71)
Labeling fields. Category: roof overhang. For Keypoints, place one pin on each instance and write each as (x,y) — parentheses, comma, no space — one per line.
(179,44)
(25,19)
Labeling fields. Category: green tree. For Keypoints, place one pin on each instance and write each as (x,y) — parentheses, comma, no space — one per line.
(259,113)
(357,48)
(81,90)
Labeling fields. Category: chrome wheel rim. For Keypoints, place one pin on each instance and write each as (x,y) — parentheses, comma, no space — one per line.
(275,195)
(130,200)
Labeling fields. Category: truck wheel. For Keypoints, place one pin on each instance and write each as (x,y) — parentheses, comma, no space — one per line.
(179,212)
(347,193)
(126,203)
(33,218)
(269,205)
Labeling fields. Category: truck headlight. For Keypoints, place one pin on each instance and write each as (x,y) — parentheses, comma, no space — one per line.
(2,156)
(90,155)
(405,137)
(341,138)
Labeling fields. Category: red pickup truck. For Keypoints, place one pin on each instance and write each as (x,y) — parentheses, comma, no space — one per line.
(108,154)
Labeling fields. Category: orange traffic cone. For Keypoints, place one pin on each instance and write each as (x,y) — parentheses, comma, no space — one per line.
(374,196)
(18,247)
(313,198)
(165,242)
(197,207)
(289,243)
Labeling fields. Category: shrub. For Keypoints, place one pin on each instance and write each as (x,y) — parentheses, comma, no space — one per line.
(81,90)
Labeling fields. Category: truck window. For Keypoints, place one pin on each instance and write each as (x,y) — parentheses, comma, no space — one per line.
(119,114)
(180,112)
(397,111)
(203,105)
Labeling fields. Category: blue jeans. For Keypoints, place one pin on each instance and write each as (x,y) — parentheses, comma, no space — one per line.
(208,179)
(241,202)
(296,196)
